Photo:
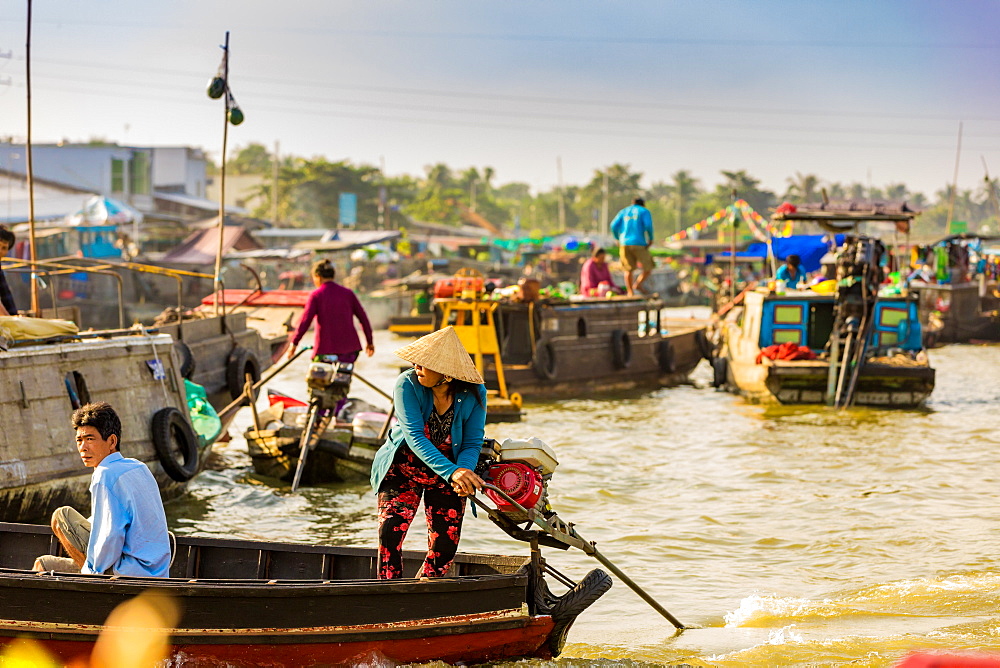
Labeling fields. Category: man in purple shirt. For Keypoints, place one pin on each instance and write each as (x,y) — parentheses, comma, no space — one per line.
(594,272)
(334,307)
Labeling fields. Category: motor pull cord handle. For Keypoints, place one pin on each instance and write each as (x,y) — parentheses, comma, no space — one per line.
(592,551)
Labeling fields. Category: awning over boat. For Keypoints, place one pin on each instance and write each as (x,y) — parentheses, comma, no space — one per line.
(99,210)
(349,239)
(809,247)
(842,216)
(201,246)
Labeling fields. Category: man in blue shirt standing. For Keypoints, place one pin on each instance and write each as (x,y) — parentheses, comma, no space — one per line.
(127,531)
(633,229)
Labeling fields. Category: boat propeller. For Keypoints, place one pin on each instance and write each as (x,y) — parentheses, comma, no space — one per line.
(517,474)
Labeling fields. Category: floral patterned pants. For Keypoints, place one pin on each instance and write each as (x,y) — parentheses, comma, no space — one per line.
(409,479)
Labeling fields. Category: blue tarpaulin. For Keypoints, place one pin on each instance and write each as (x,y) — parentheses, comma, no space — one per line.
(809,247)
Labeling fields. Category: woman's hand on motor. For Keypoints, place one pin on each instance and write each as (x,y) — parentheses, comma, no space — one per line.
(466,482)
(370,349)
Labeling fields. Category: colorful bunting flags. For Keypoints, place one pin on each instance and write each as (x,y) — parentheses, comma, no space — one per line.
(751,217)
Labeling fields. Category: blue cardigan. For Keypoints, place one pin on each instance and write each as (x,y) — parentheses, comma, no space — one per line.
(413,403)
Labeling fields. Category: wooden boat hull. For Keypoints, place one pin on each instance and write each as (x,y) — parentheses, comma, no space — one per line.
(40,469)
(471,640)
(964,315)
(904,380)
(411,325)
(256,603)
(577,348)
(338,457)
(805,382)
(212,344)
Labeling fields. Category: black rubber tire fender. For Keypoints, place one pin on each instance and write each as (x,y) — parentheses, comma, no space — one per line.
(720,372)
(665,356)
(544,361)
(241,362)
(186,357)
(704,345)
(621,349)
(571,604)
(175,443)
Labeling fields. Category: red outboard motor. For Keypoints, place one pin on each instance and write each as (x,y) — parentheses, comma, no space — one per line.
(521,482)
(521,469)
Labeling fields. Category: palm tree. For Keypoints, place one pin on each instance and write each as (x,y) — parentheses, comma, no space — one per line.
(802,187)
(896,192)
(685,189)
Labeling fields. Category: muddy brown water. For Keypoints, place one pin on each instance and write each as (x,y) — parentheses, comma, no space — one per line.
(791,536)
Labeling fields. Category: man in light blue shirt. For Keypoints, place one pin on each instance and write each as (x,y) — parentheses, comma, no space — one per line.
(127,531)
(633,229)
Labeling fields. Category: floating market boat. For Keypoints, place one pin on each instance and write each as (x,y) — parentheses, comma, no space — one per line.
(277,604)
(842,343)
(343,452)
(43,379)
(565,348)
(961,295)
(894,370)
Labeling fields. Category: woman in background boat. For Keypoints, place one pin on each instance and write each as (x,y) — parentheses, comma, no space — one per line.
(431,452)
(791,272)
(596,272)
(334,308)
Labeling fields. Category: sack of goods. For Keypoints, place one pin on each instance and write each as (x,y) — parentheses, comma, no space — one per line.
(20,328)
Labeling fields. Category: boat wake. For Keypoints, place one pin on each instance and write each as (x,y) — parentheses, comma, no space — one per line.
(959,594)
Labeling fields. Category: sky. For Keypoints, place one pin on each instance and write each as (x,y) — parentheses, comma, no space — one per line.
(873,92)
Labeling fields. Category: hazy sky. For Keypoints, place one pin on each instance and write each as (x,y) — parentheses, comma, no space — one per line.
(849,91)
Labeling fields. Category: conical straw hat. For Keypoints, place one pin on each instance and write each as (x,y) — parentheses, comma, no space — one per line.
(442,351)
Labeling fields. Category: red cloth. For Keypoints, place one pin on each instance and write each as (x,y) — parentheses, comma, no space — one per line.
(334,307)
(786,351)
(950,661)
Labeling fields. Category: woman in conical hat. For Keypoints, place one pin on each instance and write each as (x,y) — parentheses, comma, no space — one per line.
(431,452)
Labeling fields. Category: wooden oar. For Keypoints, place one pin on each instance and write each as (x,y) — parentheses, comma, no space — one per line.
(566,533)
(369,384)
(229,412)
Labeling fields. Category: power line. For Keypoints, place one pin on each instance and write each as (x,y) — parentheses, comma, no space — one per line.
(559,129)
(617,104)
(628,40)
(560,117)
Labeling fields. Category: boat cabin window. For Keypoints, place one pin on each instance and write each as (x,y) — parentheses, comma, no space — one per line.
(581,328)
(788,325)
(892,325)
(805,323)
(642,323)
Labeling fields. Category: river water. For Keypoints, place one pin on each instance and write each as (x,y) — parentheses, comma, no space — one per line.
(791,536)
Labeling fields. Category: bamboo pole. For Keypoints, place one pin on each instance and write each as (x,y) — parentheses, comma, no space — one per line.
(954,183)
(222,179)
(35,308)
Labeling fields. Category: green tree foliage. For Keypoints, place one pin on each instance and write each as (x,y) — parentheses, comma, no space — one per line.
(309,191)
(671,202)
(802,188)
(251,159)
(623,186)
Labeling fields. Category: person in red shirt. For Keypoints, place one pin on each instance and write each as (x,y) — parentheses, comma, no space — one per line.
(594,272)
(334,308)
